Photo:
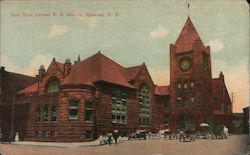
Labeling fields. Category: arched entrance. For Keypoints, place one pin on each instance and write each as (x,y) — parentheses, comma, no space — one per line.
(187,122)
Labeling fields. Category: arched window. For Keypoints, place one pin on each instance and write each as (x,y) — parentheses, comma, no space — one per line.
(144,103)
(38,114)
(54,113)
(45,114)
(53,86)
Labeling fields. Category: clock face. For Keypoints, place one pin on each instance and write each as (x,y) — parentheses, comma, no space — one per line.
(185,64)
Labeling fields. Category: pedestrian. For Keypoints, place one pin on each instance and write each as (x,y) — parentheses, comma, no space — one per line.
(115,135)
(109,139)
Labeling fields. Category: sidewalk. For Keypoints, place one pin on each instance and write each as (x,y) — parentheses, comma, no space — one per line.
(63,144)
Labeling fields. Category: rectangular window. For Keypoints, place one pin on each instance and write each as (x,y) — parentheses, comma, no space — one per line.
(89,111)
(185,85)
(192,99)
(53,133)
(167,104)
(45,133)
(119,106)
(73,109)
(89,134)
(166,120)
(192,84)
(179,85)
(40,133)
(179,102)
(222,107)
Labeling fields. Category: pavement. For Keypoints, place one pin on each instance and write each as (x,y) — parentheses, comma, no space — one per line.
(233,145)
(64,144)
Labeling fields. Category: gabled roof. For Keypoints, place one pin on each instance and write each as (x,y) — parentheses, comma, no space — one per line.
(97,68)
(187,37)
(14,82)
(132,72)
(162,90)
(29,89)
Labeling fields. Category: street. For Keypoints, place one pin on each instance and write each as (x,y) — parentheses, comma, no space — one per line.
(231,146)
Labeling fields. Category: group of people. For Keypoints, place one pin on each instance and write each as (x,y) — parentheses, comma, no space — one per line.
(109,138)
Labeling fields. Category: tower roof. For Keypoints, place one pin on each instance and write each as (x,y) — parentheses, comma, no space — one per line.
(187,37)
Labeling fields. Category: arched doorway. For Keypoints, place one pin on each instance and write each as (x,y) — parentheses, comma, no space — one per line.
(187,122)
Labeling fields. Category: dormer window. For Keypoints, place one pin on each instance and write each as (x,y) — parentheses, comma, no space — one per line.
(53,86)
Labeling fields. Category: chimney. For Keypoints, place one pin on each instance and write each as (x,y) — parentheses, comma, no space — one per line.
(67,67)
(221,76)
(41,72)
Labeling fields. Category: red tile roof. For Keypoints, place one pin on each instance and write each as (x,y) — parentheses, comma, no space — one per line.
(131,72)
(30,89)
(97,68)
(15,82)
(187,37)
(162,90)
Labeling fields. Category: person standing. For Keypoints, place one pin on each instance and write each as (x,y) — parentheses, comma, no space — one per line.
(109,139)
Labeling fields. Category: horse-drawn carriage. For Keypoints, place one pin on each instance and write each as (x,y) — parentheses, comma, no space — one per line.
(220,131)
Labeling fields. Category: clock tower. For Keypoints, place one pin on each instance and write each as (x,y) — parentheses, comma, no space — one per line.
(190,79)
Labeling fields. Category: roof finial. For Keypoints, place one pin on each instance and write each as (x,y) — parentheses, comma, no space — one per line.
(188,9)
(99,51)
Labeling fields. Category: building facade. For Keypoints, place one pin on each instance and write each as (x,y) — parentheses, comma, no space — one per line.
(94,96)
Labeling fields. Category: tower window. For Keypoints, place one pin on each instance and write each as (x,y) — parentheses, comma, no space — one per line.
(179,85)
(192,84)
(185,85)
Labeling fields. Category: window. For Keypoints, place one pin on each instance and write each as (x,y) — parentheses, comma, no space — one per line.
(89,114)
(39,133)
(179,102)
(53,86)
(145,108)
(192,84)
(73,109)
(192,100)
(222,107)
(38,114)
(54,113)
(46,114)
(53,133)
(45,133)
(167,119)
(185,85)
(119,106)
(179,85)
(167,104)
(89,134)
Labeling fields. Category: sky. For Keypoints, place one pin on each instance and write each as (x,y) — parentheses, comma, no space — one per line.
(129,32)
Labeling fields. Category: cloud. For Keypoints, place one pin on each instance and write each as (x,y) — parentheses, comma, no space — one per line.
(237,81)
(91,22)
(57,30)
(216,45)
(159,33)
(32,68)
